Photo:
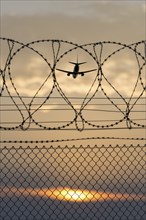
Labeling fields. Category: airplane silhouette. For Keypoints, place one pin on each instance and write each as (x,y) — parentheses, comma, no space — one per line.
(76,71)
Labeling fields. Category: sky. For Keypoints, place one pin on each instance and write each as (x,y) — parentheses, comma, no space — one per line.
(83,23)
(76,21)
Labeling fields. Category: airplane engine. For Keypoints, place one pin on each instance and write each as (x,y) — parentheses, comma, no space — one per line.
(68,74)
(82,74)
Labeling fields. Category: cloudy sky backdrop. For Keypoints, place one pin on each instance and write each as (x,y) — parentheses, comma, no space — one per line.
(80,22)
(108,169)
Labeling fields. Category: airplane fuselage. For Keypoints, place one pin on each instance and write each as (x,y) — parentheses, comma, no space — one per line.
(75,71)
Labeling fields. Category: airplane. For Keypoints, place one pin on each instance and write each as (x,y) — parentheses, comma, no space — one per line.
(76,71)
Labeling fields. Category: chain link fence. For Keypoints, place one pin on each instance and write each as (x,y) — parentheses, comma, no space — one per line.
(79,182)
(74,183)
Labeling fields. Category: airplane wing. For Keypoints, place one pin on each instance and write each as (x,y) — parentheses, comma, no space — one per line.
(88,71)
(65,71)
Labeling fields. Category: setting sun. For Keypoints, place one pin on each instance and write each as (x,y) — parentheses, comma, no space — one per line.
(73,195)
(72,109)
(70,194)
(82,195)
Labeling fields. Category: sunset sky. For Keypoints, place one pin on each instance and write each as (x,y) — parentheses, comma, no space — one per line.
(73,22)
(80,22)
(77,21)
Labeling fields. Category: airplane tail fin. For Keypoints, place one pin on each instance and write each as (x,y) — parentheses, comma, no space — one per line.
(77,63)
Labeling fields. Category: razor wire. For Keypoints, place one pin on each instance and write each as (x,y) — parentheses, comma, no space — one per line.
(72,182)
(28,110)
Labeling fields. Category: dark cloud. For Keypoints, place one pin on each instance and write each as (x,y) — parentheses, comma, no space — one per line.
(84,21)
(78,29)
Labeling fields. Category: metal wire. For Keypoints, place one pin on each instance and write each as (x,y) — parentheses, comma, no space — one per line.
(28,111)
(43,181)
(77,183)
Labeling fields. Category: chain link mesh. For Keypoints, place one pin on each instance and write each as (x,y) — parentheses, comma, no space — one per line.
(84,182)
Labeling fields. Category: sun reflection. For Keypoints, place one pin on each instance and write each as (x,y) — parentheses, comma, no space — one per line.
(70,194)
(73,195)
(78,195)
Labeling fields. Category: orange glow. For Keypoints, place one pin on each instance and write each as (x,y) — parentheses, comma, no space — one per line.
(78,195)
(73,195)
(69,194)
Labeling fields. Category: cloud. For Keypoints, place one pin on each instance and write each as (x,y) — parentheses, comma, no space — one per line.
(113,11)
(26,8)
(82,22)
(123,81)
(122,74)
(30,72)
(28,75)
(101,9)
(79,22)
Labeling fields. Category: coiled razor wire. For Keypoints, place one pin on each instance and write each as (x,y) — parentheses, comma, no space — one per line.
(72,182)
(79,121)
